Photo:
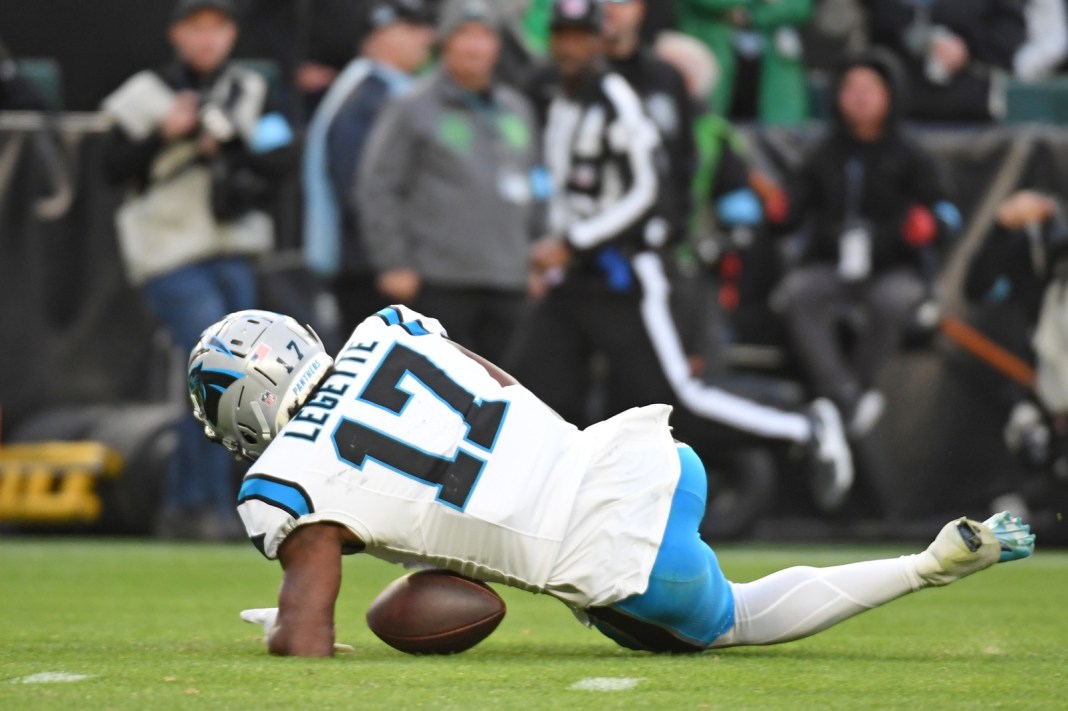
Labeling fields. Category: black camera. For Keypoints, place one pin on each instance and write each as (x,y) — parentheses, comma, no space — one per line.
(236,188)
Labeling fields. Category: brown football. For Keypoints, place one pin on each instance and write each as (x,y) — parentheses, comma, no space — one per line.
(435,612)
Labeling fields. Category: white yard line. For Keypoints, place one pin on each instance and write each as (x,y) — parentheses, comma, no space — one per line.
(606,683)
(50,678)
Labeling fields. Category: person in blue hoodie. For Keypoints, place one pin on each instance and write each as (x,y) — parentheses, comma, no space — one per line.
(397,39)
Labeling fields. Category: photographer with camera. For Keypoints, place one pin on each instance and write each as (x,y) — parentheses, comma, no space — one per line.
(201,158)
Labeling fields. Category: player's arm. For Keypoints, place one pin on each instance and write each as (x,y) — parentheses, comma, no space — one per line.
(495,371)
(311,558)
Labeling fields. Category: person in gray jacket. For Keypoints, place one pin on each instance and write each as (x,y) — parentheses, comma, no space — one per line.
(449,188)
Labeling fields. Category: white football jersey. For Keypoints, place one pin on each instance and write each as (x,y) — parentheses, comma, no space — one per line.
(424,456)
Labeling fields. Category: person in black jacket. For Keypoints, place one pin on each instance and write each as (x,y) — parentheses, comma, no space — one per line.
(1022,255)
(311,41)
(876,215)
(953,51)
(659,17)
(1024,262)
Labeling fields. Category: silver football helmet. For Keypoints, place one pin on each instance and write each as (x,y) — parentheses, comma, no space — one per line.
(249,374)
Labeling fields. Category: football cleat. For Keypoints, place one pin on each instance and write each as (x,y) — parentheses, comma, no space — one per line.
(964,547)
(1014,536)
(832,462)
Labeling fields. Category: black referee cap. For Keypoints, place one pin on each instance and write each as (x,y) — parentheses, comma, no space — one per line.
(584,14)
(185,8)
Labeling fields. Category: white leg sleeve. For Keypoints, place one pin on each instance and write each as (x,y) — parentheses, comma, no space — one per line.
(798,602)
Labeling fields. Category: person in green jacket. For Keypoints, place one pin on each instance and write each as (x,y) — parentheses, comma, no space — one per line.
(758,48)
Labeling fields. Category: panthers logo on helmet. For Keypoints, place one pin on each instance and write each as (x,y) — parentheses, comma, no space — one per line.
(206,386)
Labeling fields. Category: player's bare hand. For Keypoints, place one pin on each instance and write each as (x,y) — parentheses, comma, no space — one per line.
(1023,208)
(313,77)
(401,285)
(697,365)
(951,52)
(537,286)
(550,253)
(207,145)
(182,118)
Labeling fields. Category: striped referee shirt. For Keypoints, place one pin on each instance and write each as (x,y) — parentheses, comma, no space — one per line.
(600,148)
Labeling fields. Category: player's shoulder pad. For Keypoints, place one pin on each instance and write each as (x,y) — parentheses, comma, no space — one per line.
(411,321)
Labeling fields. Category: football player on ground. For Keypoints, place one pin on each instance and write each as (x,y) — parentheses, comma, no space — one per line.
(412,449)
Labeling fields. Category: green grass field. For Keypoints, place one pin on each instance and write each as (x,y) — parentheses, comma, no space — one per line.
(155,626)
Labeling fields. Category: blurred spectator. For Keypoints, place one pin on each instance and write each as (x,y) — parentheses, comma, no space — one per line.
(721,195)
(759,53)
(1022,256)
(312,40)
(726,209)
(192,141)
(396,44)
(877,214)
(15,93)
(1046,46)
(446,193)
(694,62)
(953,51)
(838,28)
(667,102)
(517,51)
(1024,261)
(660,17)
(608,289)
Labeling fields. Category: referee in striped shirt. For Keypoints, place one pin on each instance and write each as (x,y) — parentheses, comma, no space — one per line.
(604,287)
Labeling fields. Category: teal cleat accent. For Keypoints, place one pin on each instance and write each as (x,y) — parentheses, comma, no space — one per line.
(1014,536)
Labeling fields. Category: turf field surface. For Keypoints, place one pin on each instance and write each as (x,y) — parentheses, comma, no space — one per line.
(130,625)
